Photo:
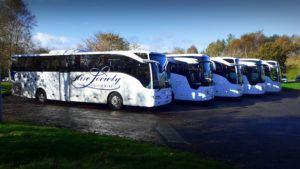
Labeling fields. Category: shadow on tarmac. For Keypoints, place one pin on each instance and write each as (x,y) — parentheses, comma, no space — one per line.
(179,106)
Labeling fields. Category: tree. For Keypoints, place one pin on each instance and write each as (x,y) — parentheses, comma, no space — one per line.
(278,50)
(287,44)
(230,38)
(296,42)
(272,51)
(234,48)
(39,50)
(256,44)
(192,49)
(250,43)
(134,44)
(106,42)
(215,48)
(178,50)
(16,23)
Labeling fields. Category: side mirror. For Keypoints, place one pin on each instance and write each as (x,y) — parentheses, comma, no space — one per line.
(213,66)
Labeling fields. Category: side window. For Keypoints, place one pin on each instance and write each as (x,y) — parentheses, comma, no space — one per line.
(45,63)
(15,64)
(36,64)
(55,63)
(142,55)
(28,63)
(267,70)
(59,63)
(179,68)
(74,63)
(63,63)
(172,67)
(142,73)
(19,64)
(97,61)
(119,63)
(85,62)
(219,69)
(124,64)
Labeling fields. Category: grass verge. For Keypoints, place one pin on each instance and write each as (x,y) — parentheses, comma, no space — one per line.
(30,146)
(293,67)
(291,85)
(6,87)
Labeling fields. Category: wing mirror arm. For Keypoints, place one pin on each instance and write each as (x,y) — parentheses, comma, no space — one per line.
(213,65)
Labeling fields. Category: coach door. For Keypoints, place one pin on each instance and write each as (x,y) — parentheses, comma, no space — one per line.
(64,80)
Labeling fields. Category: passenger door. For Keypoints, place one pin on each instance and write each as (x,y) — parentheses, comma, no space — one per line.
(64,86)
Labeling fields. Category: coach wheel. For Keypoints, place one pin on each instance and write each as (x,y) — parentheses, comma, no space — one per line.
(41,96)
(115,101)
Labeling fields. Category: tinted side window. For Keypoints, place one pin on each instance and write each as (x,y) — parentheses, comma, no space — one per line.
(172,67)
(120,63)
(219,68)
(52,63)
(84,62)
(115,63)
(123,64)
(74,63)
(98,61)
(267,70)
(143,74)
(18,64)
(87,62)
(42,63)
(178,68)
(142,55)
(229,60)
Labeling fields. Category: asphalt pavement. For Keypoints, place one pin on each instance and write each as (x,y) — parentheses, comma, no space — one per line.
(257,132)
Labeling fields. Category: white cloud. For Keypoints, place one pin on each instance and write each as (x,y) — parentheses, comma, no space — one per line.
(51,41)
(165,43)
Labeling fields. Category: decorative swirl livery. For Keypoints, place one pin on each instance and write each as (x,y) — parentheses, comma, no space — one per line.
(97,79)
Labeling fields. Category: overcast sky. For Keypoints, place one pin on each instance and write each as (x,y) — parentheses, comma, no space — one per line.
(160,25)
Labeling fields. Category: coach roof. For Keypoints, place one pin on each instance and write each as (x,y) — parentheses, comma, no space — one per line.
(132,54)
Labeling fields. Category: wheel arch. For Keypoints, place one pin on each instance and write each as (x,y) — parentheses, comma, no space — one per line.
(112,92)
(38,90)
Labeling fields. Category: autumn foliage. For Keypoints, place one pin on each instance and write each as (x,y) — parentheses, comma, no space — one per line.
(256,45)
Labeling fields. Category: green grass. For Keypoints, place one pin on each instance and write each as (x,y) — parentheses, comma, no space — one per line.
(293,67)
(28,146)
(291,85)
(6,87)
(292,72)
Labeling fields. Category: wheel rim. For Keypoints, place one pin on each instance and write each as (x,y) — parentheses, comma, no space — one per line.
(42,97)
(115,100)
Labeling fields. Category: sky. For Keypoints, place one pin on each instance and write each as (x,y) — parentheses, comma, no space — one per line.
(160,25)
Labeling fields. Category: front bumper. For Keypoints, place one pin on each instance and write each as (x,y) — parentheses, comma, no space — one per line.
(258,89)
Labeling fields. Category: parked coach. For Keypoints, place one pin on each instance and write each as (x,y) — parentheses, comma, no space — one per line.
(115,78)
(273,76)
(227,77)
(253,76)
(191,77)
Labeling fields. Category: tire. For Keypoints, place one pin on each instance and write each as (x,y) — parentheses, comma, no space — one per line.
(115,101)
(41,96)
